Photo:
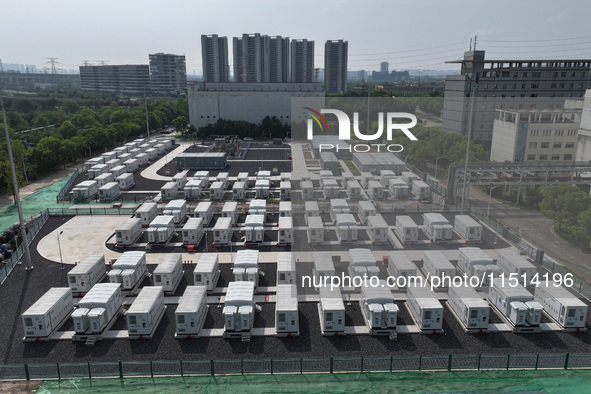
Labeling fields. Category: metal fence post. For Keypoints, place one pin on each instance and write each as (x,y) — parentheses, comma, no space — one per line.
(212,367)
(566,360)
(182,370)
(361,364)
(27,377)
(391,361)
(537,360)
(241,366)
(59,376)
(330,363)
(271,366)
(508,360)
(89,373)
(120,369)
(479,357)
(420,361)
(449,363)
(151,369)
(301,365)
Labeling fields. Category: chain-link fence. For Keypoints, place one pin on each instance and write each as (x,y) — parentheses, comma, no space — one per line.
(451,362)
(66,186)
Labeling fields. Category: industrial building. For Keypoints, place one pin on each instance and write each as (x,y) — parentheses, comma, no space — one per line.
(201,160)
(127,79)
(374,162)
(168,74)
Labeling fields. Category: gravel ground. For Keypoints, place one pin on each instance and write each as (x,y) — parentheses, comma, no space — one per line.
(31,285)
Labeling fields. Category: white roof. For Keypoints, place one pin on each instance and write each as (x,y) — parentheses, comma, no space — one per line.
(257,204)
(162,221)
(203,206)
(561,294)
(262,183)
(467,220)
(191,299)
(254,220)
(193,184)
(246,258)
(331,299)
(511,290)
(515,258)
(86,263)
(105,175)
(242,175)
(438,259)
(125,175)
(99,295)
(170,185)
(353,184)
(284,206)
(85,185)
(366,206)
(285,261)
(176,205)
(230,206)
(129,224)
(475,254)
(435,218)
(216,185)
(223,223)
(345,219)
(285,185)
(406,221)
(315,222)
(374,184)
(307,185)
(323,262)
(401,260)
(380,294)
(207,262)
(168,263)
(330,182)
(338,203)
(285,222)
(377,221)
(424,296)
(239,185)
(311,206)
(193,223)
(109,186)
(240,293)
(48,300)
(287,298)
(201,174)
(146,299)
(147,207)
(469,295)
(361,256)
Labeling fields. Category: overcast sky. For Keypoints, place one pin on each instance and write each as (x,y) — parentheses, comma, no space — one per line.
(410,34)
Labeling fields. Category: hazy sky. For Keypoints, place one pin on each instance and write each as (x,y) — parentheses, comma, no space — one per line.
(410,34)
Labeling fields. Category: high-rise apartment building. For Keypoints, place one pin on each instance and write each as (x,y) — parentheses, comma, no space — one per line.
(335,66)
(260,58)
(278,59)
(168,74)
(214,57)
(508,85)
(302,61)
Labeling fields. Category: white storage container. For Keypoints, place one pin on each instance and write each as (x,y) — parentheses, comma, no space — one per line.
(222,231)
(216,191)
(97,170)
(470,257)
(323,267)
(338,206)
(124,157)
(230,210)
(377,229)
(223,177)
(125,181)
(366,177)
(437,227)
(128,232)
(398,188)
(118,170)
(48,313)
(263,175)
(142,159)
(246,266)
(286,269)
(563,306)
(511,262)
(332,310)
(191,311)
(312,209)
(104,178)
(285,190)
(375,190)
(472,310)
(103,303)
(239,307)
(145,313)
(406,229)
(93,162)
(204,210)
(80,319)
(132,165)
(85,190)
(243,177)
(402,269)
(425,308)
(261,188)
(305,176)
(468,228)
(207,271)
(315,230)
(409,178)
(286,310)
(203,176)
(152,153)
(421,190)
(347,228)
(89,271)
(160,148)
(285,208)
(169,272)
(181,178)
(193,231)
(366,209)
(120,150)
(330,187)
(193,189)
(377,305)
(109,192)
(161,229)
(285,176)
(324,174)
(257,207)
(436,264)
(147,212)
(130,268)
(307,190)
(385,176)
(176,208)
(285,230)
(510,299)
(239,190)
(346,177)
(362,264)
(353,190)
(169,191)
(135,152)
(254,228)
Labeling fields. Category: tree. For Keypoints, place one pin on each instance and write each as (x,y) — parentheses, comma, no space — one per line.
(67,129)
(564,204)
(180,124)
(70,107)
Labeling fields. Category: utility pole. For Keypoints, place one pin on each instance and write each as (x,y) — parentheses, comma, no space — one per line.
(147,121)
(16,192)
(53,61)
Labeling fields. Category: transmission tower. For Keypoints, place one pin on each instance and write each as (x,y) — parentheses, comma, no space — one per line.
(53,61)
(85,63)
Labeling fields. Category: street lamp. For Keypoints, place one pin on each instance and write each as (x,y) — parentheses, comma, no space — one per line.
(489,197)
(59,246)
(436,160)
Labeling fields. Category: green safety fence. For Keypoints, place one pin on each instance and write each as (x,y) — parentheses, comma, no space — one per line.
(451,362)
(66,186)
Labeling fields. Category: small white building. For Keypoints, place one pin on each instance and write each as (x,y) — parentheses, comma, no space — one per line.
(375,190)
(338,206)
(222,231)
(216,191)
(366,177)
(286,268)
(315,230)
(353,190)
(128,232)
(239,191)
(261,188)
(85,190)
(285,230)
(176,208)
(377,229)
(257,207)
(254,229)
(97,170)
(204,210)
(161,229)
(230,210)
(307,190)
(330,188)
(125,181)
(285,190)
(169,191)
(193,231)
(366,209)
(223,177)
(347,227)
(406,229)
(285,208)
(193,189)
(207,271)
(181,178)
(146,212)
(118,170)
(109,192)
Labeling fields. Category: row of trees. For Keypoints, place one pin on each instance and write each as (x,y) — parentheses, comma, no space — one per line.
(49,133)
(271,126)
(570,209)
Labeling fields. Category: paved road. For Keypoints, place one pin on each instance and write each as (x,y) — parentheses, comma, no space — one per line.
(537,229)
